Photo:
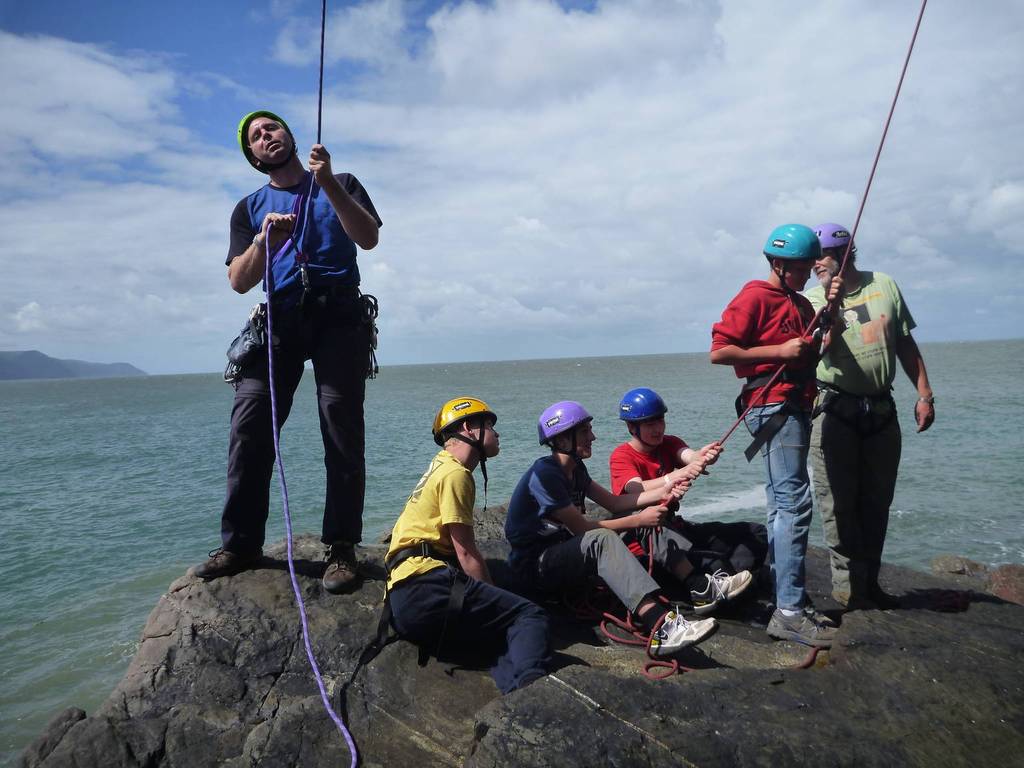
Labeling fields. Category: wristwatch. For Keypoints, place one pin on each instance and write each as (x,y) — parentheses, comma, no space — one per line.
(930,400)
(257,240)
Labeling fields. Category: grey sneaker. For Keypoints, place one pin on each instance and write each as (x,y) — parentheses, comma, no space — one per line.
(676,632)
(341,567)
(720,587)
(225,563)
(800,628)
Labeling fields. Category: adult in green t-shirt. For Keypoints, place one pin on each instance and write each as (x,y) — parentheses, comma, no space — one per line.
(856,441)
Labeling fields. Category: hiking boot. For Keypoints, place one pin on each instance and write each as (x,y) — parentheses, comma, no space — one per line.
(860,603)
(676,632)
(341,567)
(800,628)
(882,599)
(720,587)
(225,563)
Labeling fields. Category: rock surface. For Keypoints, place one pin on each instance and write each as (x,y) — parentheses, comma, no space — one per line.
(221,679)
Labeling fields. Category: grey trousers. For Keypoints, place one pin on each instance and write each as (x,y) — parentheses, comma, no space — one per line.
(601,554)
(854,482)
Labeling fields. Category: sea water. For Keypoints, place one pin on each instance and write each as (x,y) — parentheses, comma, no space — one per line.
(110,489)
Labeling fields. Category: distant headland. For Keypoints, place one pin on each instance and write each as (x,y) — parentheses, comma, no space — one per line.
(33,364)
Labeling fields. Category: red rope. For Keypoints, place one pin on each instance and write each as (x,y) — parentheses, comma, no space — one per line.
(830,306)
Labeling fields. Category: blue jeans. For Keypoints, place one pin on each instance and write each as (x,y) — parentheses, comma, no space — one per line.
(788,494)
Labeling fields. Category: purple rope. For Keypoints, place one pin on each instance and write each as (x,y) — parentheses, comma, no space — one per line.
(288,520)
(353,752)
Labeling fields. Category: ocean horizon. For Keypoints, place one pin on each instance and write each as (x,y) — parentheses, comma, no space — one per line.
(111,488)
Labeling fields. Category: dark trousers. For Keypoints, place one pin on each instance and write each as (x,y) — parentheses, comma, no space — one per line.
(330,333)
(855,465)
(730,547)
(495,628)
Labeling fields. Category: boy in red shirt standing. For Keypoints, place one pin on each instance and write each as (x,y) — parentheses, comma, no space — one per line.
(761,329)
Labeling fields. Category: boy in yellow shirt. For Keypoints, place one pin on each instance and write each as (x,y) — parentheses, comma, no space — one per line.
(440,591)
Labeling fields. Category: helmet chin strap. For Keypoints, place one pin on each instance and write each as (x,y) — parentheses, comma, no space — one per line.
(572,452)
(263,165)
(783,271)
(476,444)
(639,439)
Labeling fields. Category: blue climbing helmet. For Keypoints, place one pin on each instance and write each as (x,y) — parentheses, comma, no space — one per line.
(640,404)
(793,242)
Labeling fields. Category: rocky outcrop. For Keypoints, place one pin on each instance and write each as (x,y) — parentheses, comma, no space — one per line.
(221,679)
(1004,581)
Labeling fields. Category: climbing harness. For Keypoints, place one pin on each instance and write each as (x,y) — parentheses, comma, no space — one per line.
(456,599)
(865,414)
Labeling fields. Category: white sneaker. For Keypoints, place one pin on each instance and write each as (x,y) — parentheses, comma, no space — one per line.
(676,632)
(720,587)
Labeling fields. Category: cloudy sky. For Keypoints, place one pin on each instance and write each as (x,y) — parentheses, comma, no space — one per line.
(556,178)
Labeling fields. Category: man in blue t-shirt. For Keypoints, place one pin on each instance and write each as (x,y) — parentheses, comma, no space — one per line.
(311,222)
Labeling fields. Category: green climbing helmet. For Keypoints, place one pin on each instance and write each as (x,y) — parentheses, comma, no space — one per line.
(243,138)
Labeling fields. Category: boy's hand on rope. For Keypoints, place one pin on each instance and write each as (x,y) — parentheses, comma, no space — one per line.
(675,488)
(320,164)
(650,517)
(708,455)
(687,473)
(796,349)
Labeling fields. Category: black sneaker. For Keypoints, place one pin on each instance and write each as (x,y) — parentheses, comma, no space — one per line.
(340,575)
(225,563)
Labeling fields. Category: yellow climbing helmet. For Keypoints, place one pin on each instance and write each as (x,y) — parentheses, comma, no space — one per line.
(243,138)
(455,411)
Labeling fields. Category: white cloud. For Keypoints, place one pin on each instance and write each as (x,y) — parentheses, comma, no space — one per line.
(77,101)
(549,178)
(370,33)
(29,318)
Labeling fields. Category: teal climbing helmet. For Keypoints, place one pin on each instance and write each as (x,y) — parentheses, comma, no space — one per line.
(793,242)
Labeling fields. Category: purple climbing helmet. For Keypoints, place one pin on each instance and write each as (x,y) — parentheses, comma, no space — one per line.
(832,235)
(561,417)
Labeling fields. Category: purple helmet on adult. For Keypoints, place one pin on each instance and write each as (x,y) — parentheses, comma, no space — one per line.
(832,235)
(561,417)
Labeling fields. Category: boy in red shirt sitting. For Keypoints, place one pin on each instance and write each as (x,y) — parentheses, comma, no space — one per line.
(719,550)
